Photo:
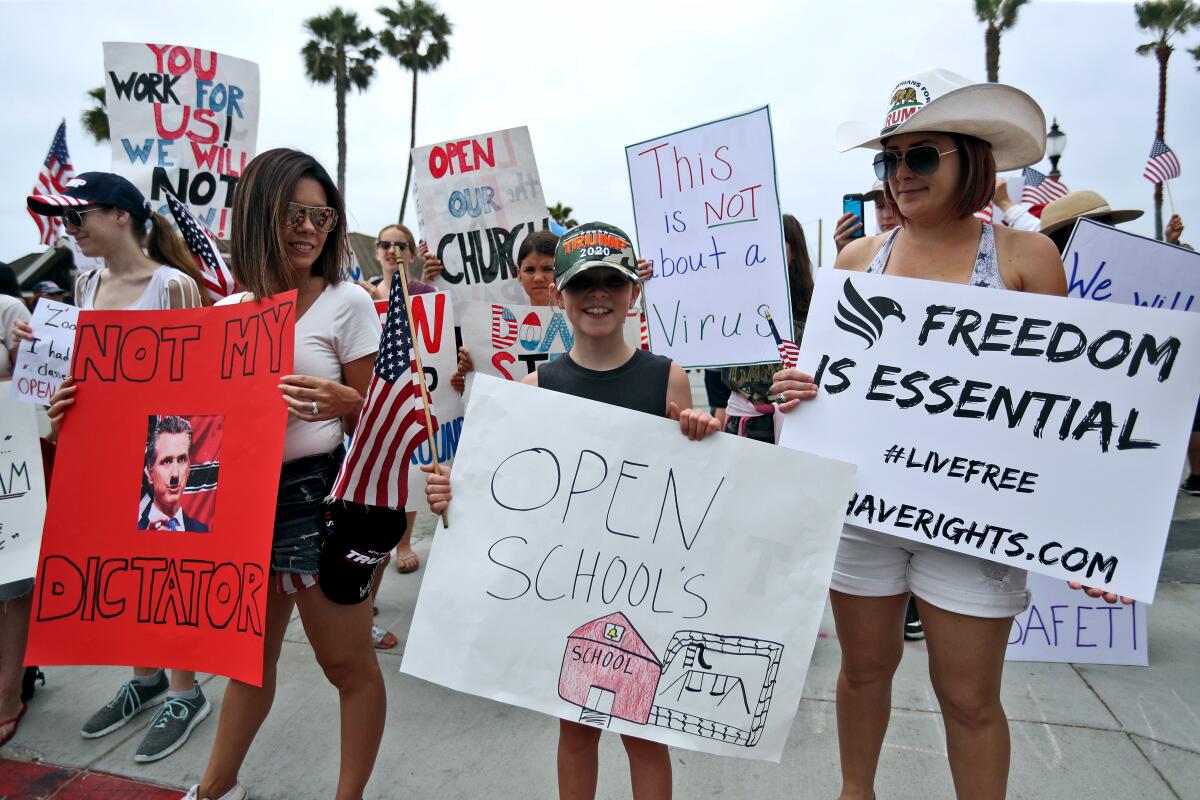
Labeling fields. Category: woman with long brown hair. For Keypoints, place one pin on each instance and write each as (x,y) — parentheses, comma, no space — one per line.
(289,232)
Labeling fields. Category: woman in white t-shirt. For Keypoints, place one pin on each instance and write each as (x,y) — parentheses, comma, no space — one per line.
(289,232)
(144,270)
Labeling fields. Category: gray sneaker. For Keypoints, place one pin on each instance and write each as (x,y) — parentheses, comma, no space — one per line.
(172,725)
(132,698)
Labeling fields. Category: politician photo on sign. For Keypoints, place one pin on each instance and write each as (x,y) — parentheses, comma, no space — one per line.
(179,475)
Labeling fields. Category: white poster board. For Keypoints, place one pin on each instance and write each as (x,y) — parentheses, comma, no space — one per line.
(44,362)
(614,573)
(1113,265)
(706,208)
(433,324)
(1028,430)
(509,341)
(182,119)
(477,198)
(1065,625)
(22,490)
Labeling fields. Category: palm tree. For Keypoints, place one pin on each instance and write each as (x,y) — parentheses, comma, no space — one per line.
(95,119)
(340,53)
(1000,15)
(1163,18)
(1195,51)
(562,215)
(416,36)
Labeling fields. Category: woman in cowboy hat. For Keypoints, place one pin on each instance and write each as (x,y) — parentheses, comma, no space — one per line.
(942,140)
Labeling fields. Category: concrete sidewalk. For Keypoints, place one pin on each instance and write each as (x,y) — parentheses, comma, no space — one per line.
(1118,732)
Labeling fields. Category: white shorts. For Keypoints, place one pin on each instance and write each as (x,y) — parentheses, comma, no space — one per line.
(872,564)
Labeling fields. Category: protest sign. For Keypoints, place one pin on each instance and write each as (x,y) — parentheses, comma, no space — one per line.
(184,120)
(44,362)
(1065,625)
(1112,265)
(1032,431)
(603,568)
(477,198)
(509,341)
(150,556)
(22,490)
(433,323)
(707,213)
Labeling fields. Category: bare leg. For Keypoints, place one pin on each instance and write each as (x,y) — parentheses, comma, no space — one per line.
(649,768)
(182,680)
(14,631)
(404,551)
(966,659)
(870,630)
(246,706)
(1193,453)
(341,639)
(578,760)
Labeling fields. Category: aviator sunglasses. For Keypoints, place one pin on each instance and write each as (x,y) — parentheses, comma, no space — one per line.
(385,246)
(74,216)
(923,160)
(323,218)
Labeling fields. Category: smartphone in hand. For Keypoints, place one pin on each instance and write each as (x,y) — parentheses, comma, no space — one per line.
(853,204)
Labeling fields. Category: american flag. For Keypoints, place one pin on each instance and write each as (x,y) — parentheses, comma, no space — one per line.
(1041,188)
(643,331)
(392,422)
(984,214)
(503,335)
(218,280)
(52,179)
(789,353)
(1162,164)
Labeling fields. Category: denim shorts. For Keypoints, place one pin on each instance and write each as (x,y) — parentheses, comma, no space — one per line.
(304,483)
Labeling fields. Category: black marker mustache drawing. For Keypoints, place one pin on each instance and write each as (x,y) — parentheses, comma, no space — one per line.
(865,317)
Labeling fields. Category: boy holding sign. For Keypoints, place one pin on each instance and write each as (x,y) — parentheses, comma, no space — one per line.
(596,283)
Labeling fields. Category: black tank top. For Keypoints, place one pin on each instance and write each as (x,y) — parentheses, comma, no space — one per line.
(639,384)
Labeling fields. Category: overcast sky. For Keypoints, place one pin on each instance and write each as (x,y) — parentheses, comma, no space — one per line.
(590,78)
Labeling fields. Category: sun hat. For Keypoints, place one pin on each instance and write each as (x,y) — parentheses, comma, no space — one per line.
(1070,207)
(590,245)
(92,189)
(875,192)
(941,101)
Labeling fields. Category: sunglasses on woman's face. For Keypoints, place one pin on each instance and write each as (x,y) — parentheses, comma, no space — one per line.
(401,247)
(323,218)
(74,216)
(923,160)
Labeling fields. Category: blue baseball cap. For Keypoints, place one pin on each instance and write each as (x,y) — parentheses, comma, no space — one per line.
(92,189)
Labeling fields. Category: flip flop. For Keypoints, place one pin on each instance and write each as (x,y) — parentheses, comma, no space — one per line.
(15,722)
(383,639)
(407,564)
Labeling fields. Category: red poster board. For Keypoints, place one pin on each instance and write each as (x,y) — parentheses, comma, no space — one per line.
(156,549)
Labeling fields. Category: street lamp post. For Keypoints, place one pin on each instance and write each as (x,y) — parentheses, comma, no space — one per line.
(1056,143)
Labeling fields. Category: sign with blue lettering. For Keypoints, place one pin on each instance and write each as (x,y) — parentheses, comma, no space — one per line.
(1115,266)
(1065,625)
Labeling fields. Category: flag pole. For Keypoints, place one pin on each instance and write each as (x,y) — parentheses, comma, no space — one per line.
(1170,199)
(401,270)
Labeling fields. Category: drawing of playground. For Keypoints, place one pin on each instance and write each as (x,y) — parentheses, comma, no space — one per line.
(706,684)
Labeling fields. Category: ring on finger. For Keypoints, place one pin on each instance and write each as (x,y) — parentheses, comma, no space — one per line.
(315,408)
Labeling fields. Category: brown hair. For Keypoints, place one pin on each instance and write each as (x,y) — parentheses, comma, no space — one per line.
(412,240)
(257,243)
(978,179)
(165,246)
(799,269)
(542,242)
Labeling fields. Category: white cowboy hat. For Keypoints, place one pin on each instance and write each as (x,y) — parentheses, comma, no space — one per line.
(941,101)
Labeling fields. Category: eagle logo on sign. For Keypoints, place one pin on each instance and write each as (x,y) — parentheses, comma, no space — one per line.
(864,318)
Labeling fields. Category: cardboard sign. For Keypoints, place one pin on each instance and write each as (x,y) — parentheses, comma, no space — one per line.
(149,556)
(1112,265)
(44,362)
(707,213)
(181,119)
(1032,431)
(477,198)
(591,573)
(433,321)
(22,490)
(1066,626)
(509,341)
